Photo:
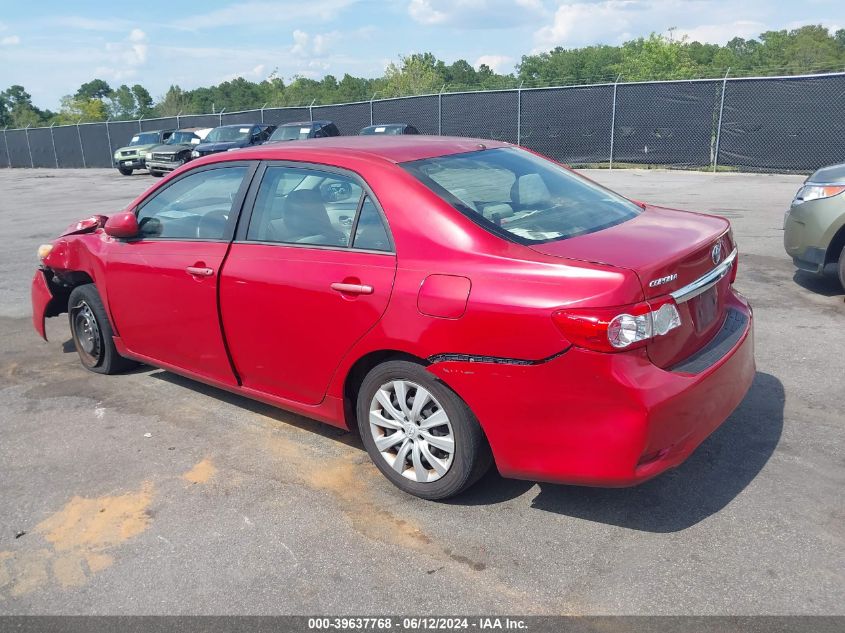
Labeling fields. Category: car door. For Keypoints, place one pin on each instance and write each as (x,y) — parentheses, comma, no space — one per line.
(162,285)
(302,282)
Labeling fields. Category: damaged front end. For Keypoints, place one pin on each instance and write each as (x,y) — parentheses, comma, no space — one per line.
(54,279)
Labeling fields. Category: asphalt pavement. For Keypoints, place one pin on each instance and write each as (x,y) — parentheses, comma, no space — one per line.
(147,493)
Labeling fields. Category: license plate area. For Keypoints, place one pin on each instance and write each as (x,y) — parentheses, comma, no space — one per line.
(705,308)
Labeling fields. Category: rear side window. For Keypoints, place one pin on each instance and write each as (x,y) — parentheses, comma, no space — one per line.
(521,196)
(197,206)
(370,233)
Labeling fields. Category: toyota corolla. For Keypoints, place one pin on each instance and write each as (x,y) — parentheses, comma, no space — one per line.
(458,302)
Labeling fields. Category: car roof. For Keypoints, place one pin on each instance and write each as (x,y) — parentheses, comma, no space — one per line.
(237,125)
(395,149)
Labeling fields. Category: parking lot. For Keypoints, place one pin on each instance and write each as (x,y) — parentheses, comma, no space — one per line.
(147,493)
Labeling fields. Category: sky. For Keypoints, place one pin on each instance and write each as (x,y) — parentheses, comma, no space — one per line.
(52,46)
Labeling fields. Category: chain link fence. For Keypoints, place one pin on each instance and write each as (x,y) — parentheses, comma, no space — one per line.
(786,124)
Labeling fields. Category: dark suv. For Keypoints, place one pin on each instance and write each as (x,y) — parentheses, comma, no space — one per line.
(226,137)
(299,130)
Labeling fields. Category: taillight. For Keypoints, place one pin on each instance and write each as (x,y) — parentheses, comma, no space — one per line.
(620,328)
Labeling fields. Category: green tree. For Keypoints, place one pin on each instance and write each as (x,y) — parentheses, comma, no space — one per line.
(415,74)
(94,89)
(143,101)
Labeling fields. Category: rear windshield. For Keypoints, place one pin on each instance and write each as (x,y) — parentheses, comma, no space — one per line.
(521,196)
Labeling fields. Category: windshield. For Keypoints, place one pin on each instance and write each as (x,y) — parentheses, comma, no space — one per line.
(291,133)
(521,196)
(146,138)
(180,138)
(224,134)
(382,129)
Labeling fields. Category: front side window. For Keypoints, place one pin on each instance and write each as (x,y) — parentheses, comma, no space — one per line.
(197,206)
(521,196)
(305,206)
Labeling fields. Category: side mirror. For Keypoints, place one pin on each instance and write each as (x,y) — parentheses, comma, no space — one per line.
(122,225)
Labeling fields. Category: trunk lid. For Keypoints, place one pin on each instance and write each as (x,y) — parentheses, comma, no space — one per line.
(667,250)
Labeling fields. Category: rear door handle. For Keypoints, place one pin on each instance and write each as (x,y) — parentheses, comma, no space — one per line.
(199,271)
(352,289)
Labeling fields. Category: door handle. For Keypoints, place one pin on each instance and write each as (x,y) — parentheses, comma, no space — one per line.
(199,271)
(352,289)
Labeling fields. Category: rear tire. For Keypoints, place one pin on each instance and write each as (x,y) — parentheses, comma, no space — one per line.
(842,268)
(92,333)
(429,443)
(126,171)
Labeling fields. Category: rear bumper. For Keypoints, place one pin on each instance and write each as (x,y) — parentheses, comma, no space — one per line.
(600,419)
(42,297)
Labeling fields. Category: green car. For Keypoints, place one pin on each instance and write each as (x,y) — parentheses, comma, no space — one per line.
(814,226)
(133,156)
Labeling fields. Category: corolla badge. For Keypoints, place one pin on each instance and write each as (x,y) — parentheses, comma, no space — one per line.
(716,253)
(662,280)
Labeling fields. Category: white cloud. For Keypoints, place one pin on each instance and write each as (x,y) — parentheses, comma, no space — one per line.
(132,51)
(10,40)
(306,45)
(499,63)
(586,23)
(476,14)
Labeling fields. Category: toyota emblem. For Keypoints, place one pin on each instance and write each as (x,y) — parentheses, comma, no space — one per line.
(716,253)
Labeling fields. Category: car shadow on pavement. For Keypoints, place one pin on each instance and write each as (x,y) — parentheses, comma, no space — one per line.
(710,479)
(825,285)
(326,430)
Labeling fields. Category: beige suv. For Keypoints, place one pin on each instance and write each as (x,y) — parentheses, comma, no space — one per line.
(814,227)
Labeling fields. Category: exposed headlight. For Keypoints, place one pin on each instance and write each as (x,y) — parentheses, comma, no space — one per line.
(44,250)
(149,155)
(195,154)
(817,192)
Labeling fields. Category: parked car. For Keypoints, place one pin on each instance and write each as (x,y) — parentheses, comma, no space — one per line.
(229,137)
(456,301)
(300,130)
(814,226)
(133,156)
(175,151)
(389,128)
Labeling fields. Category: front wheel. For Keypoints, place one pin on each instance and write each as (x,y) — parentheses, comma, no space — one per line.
(92,333)
(155,173)
(419,433)
(126,171)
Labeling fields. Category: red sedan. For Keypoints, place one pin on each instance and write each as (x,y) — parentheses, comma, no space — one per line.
(458,301)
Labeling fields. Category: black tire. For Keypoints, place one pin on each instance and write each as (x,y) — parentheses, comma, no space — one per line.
(471,457)
(842,268)
(126,171)
(156,173)
(92,332)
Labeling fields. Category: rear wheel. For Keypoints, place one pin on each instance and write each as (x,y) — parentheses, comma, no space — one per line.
(92,333)
(419,433)
(841,268)
(126,171)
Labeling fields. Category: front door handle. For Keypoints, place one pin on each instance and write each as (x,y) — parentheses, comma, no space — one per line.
(352,289)
(198,271)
